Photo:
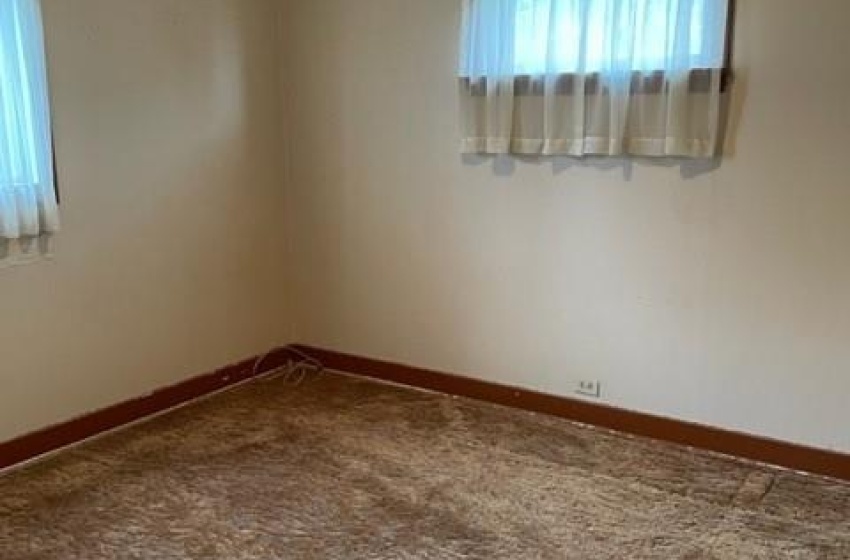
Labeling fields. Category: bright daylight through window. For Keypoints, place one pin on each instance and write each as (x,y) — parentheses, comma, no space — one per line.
(27,192)
(601,77)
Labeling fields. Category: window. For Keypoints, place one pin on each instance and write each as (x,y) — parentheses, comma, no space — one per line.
(583,77)
(27,196)
(649,33)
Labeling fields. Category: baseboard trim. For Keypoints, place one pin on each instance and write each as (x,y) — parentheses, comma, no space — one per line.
(54,438)
(764,450)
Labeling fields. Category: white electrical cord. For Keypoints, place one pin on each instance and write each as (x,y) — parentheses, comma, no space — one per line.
(299,366)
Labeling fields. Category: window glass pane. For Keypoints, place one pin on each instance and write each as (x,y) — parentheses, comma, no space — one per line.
(560,36)
(24,120)
(27,196)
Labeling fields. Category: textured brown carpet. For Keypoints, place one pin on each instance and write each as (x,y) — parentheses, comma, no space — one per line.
(342,468)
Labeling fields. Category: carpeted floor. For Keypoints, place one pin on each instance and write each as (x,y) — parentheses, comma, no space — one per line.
(342,468)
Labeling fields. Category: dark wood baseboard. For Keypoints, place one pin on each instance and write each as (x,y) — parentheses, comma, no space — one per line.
(773,452)
(74,431)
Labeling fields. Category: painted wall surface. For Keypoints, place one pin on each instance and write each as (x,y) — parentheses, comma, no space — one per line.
(170,261)
(716,294)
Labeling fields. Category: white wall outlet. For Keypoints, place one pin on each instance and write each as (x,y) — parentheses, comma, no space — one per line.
(589,388)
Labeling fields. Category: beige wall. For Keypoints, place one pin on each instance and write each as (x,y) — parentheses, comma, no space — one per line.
(170,262)
(715,295)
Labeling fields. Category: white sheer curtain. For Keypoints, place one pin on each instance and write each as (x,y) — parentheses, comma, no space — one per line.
(592,77)
(28,206)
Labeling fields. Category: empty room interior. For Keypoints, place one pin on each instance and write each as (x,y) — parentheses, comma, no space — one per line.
(424,279)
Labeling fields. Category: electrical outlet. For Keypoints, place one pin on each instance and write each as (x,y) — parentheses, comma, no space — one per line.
(589,388)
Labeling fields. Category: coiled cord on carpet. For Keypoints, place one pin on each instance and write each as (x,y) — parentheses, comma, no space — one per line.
(299,366)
